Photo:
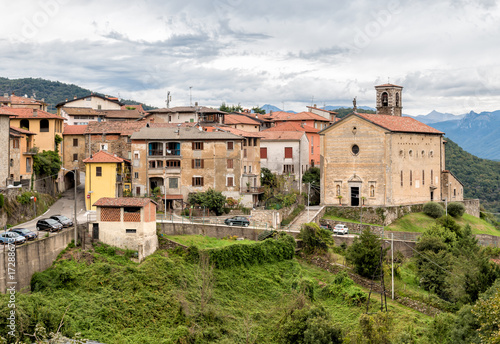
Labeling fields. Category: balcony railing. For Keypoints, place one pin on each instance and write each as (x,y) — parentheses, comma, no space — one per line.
(253,189)
(155,152)
(31,151)
(173,152)
(159,152)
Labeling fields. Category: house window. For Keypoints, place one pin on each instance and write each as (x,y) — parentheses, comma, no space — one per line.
(454,192)
(355,149)
(25,124)
(136,156)
(250,169)
(312,162)
(44,125)
(15,143)
(137,190)
(173,163)
(288,152)
(75,157)
(288,169)
(245,153)
(98,171)
(104,146)
(244,169)
(411,178)
(338,190)
(28,164)
(230,145)
(372,191)
(197,145)
(155,148)
(197,181)
(229,163)
(11,162)
(230,181)
(75,142)
(197,163)
(136,175)
(432,177)
(401,178)
(156,164)
(423,177)
(263,152)
(173,183)
(131,231)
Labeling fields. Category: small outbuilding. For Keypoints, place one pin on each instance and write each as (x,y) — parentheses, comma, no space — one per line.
(128,223)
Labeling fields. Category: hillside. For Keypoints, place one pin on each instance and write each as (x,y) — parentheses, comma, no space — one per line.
(481,177)
(53,92)
(435,116)
(170,299)
(477,133)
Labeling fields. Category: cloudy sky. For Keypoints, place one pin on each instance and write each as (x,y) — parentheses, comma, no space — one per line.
(287,53)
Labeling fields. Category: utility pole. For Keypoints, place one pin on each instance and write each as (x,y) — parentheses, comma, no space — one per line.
(308,192)
(392,258)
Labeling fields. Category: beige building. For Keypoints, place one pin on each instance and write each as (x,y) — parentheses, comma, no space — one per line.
(183,160)
(242,122)
(377,159)
(4,146)
(16,102)
(186,114)
(128,223)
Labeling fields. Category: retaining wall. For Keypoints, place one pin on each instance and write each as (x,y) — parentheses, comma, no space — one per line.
(32,257)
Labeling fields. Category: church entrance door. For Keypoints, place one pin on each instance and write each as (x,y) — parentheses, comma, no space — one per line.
(355,196)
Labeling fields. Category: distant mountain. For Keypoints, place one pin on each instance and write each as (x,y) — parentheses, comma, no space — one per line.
(269,108)
(435,116)
(478,134)
(53,92)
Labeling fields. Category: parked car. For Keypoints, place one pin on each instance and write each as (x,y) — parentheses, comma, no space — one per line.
(12,237)
(29,235)
(63,220)
(50,225)
(326,226)
(237,221)
(340,229)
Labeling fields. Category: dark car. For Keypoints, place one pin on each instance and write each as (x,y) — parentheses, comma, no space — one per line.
(63,220)
(48,224)
(29,235)
(237,221)
(326,226)
(11,237)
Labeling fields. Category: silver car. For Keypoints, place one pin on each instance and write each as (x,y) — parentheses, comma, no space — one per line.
(12,238)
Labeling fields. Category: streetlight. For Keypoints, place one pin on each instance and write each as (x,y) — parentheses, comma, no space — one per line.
(75,222)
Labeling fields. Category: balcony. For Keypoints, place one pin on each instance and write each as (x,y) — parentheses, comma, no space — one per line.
(155,152)
(31,151)
(176,152)
(252,190)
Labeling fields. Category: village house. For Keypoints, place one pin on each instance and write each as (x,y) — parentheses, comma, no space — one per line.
(4,146)
(242,122)
(285,153)
(127,223)
(183,160)
(106,175)
(329,115)
(21,160)
(17,102)
(306,118)
(186,114)
(312,137)
(73,152)
(383,158)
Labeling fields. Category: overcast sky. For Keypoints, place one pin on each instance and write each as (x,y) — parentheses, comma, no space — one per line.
(287,53)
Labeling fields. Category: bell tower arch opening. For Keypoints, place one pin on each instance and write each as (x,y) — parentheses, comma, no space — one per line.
(389,99)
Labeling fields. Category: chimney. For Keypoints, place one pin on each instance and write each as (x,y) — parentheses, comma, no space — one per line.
(6,95)
(35,112)
(66,99)
(74,97)
(315,105)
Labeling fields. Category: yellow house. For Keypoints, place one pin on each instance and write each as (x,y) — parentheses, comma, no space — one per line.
(103,177)
(44,124)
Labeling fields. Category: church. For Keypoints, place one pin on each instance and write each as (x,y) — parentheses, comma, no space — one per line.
(384,159)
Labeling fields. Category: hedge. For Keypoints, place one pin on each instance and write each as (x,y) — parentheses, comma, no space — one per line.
(456,209)
(268,251)
(433,209)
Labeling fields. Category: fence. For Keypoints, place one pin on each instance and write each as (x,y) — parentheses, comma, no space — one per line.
(203,220)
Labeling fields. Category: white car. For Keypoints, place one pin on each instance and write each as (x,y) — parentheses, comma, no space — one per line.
(340,229)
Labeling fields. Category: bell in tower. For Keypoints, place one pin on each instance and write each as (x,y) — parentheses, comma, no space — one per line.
(389,99)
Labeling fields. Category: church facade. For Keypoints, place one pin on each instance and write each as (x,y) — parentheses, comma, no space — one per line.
(384,159)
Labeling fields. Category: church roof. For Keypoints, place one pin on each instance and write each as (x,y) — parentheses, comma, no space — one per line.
(399,124)
(388,85)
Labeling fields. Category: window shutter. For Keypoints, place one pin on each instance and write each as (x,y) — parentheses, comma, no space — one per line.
(202,181)
(192,182)
(192,163)
(288,152)
(263,152)
(201,146)
(202,163)
(192,145)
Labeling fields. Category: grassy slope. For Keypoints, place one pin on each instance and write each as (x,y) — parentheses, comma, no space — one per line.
(419,222)
(114,300)
(204,241)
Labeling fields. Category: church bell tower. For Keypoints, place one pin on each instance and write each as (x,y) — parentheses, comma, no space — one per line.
(389,99)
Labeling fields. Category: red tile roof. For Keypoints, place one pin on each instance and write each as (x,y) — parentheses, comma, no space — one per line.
(289,116)
(17,100)
(103,156)
(316,108)
(281,135)
(74,129)
(170,125)
(293,126)
(239,119)
(123,202)
(72,111)
(239,132)
(22,131)
(399,124)
(5,110)
(127,114)
(31,113)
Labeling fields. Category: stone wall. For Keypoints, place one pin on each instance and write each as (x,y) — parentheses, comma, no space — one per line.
(472,207)
(273,218)
(32,257)
(214,231)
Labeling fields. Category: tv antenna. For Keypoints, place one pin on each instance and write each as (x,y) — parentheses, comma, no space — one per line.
(169,99)
(190,98)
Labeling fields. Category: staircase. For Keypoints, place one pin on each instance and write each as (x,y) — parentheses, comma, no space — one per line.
(304,217)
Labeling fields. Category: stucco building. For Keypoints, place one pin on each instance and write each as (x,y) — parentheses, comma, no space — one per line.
(4,146)
(21,156)
(384,159)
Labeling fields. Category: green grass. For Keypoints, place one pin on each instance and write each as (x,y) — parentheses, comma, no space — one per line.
(114,300)
(419,222)
(203,242)
(341,219)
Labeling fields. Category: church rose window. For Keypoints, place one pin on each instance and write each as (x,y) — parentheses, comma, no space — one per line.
(355,149)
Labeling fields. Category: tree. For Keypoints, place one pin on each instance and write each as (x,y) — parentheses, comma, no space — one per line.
(486,311)
(211,199)
(257,109)
(315,238)
(364,254)
(47,163)
(312,176)
(267,178)
(232,108)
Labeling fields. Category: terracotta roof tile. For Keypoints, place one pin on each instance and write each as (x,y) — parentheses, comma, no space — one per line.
(31,113)
(72,111)
(239,132)
(293,126)
(130,114)
(115,127)
(103,156)
(22,131)
(5,111)
(399,124)
(316,108)
(289,116)
(74,129)
(281,135)
(200,109)
(240,119)
(17,100)
(185,133)
(123,202)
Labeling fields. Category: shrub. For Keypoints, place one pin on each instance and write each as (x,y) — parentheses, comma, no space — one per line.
(456,209)
(315,238)
(1,201)
(433,209)
(364,254)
